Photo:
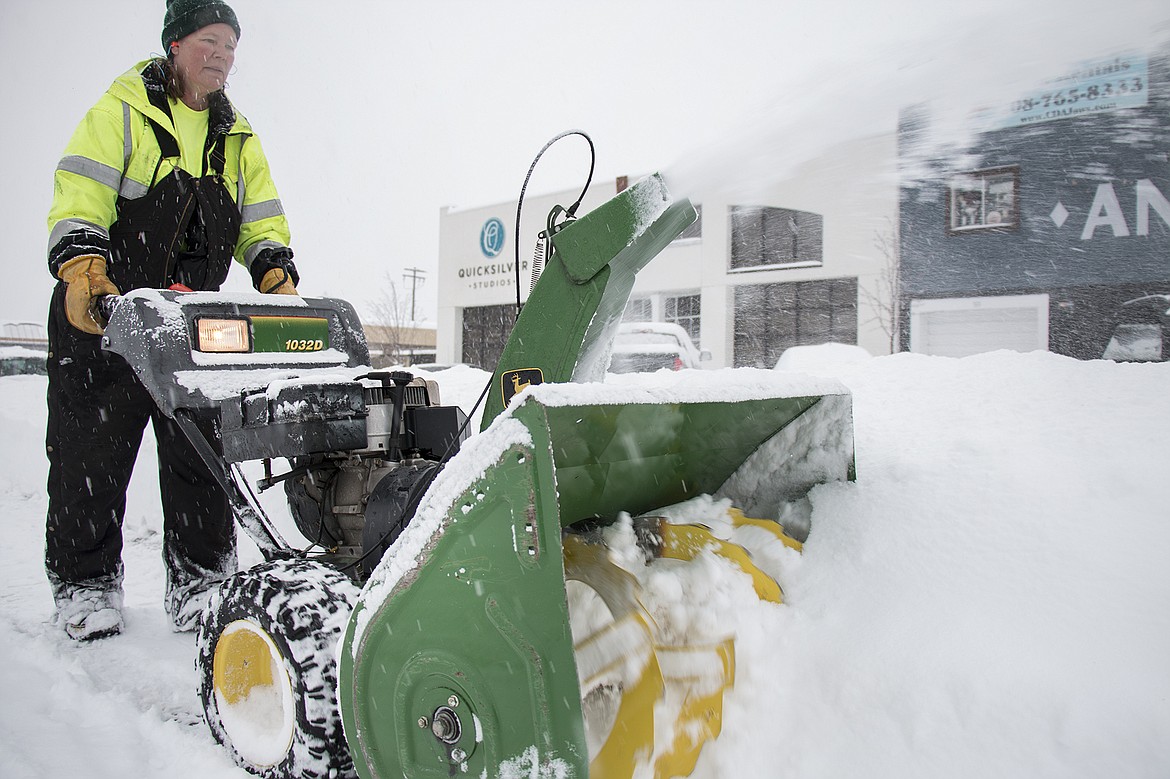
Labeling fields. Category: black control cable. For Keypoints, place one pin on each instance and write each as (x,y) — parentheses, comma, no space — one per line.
(570,213)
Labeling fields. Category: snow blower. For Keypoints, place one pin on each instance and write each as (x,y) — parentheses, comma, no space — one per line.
(475,605)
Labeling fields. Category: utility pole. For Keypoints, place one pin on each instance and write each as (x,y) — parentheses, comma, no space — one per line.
(415,276)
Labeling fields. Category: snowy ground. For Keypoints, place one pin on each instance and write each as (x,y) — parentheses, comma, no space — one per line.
(990,598)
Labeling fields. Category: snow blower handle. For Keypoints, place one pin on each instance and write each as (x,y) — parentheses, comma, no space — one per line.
(104,306)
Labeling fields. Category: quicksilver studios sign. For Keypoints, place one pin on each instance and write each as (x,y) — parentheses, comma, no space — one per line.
(491,275)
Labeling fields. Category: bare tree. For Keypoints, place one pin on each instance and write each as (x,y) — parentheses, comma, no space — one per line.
(886,300)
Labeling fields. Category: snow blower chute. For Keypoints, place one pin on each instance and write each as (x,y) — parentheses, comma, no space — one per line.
(504,626)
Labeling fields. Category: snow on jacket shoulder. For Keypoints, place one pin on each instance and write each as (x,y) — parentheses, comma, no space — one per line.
(114,152)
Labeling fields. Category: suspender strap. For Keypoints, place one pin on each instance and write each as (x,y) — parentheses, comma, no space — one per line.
(218,157)
(166,142)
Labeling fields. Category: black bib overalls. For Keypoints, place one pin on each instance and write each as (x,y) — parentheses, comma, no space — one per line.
(183,231)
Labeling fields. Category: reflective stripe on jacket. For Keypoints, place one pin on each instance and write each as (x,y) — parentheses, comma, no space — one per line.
(114,152)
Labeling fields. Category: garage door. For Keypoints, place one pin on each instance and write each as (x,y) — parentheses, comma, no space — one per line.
(958,327)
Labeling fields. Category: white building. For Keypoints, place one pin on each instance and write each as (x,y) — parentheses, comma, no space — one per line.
(800,264)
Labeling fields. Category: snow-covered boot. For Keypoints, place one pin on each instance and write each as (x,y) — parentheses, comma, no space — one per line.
(187,601)
(88,610)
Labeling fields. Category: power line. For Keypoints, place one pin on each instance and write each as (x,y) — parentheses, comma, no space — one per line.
(415,276)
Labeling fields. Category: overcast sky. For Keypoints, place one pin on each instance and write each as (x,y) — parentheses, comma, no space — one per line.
(377,113)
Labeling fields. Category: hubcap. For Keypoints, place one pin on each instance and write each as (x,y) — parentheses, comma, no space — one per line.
(253,694)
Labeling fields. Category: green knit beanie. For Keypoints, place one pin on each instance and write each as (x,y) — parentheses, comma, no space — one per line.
(184,17)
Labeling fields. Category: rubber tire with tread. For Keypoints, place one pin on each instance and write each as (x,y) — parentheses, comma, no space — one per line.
(303,607)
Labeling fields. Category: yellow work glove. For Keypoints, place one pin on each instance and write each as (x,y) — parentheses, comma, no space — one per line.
(277,281)
(85,281)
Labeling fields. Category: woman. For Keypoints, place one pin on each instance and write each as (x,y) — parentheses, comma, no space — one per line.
(162,182)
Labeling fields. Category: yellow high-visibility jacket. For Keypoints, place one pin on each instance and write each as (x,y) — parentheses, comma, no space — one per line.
(114,158)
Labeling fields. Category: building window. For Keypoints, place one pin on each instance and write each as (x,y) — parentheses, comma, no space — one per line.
(770,318)
(764,237)
(485,332)
(693,231)
(684,310)
(639,310)
(984,200)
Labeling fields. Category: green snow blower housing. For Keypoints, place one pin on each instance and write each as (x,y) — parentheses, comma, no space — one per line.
(459,658)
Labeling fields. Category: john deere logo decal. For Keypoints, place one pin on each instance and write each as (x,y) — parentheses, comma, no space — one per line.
(512,382)
(491,237)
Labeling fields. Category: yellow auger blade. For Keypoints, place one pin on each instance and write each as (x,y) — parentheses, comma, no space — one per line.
(631,739)
(769,526)
(696,677)
(685,542)
(701,718)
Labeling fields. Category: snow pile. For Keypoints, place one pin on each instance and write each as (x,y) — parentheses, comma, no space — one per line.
(990,597)
(821,358)
(8,352)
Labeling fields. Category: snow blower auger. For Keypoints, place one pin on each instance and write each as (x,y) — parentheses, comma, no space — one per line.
(507,621)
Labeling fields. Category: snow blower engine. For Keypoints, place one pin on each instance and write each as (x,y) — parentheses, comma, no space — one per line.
(479,605)
(265,381)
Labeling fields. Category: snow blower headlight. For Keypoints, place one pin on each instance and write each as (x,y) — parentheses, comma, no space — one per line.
(223,335)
